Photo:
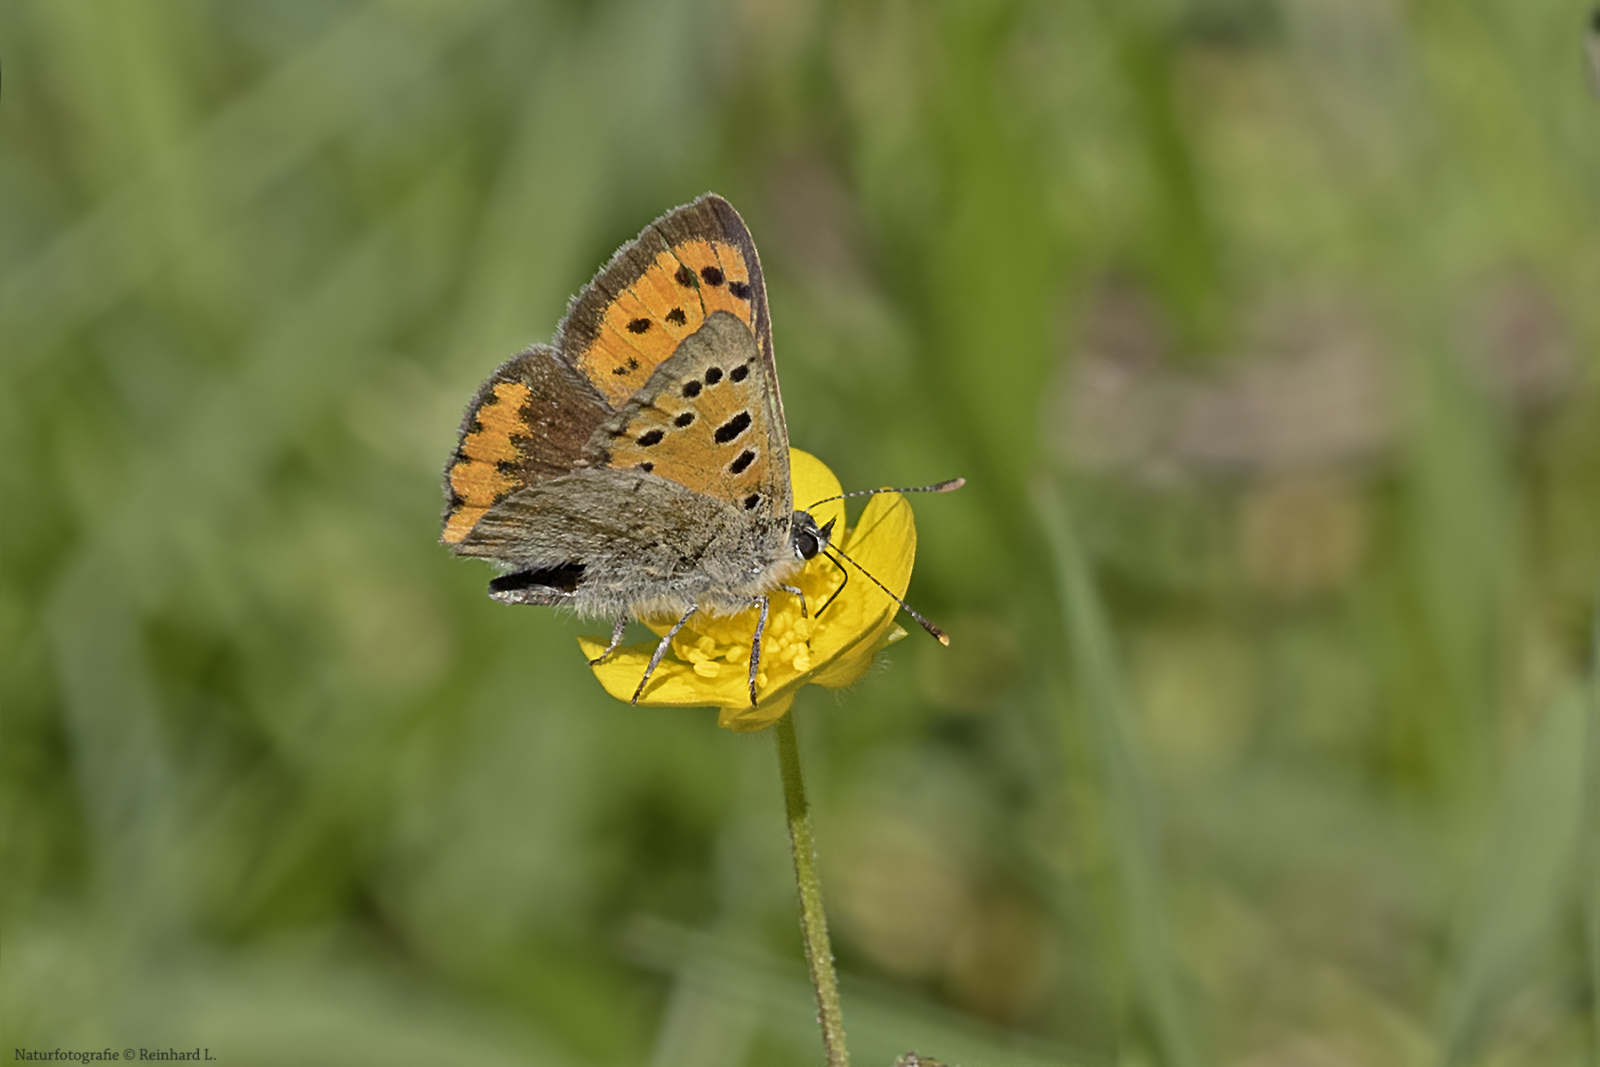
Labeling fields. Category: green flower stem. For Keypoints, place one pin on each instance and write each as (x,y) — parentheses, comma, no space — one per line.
(1591,833)
(813,923)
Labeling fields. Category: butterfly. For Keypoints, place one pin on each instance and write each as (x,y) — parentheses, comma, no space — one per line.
(638,467)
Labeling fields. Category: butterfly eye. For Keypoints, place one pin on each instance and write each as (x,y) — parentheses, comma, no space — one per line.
(805,543)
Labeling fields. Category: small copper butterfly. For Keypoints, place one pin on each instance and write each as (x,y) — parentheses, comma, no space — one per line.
(639,466)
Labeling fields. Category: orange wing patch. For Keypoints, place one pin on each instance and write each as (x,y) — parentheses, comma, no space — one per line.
(477,480)
(657,291)
(641,327)
(723,274)
(676,306)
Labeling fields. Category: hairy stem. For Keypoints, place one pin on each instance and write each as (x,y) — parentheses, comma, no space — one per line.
(813,923)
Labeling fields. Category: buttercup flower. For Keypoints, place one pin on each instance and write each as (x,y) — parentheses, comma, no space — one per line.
(710,659)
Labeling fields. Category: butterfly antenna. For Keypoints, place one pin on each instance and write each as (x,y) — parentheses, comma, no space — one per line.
(942,487)
(907,608)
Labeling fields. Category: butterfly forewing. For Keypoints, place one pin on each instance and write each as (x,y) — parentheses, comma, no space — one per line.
(644,460)
(658,289)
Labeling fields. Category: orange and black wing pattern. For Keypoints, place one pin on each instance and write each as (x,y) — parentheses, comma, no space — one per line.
(528,423)
(537,416)
(658,290)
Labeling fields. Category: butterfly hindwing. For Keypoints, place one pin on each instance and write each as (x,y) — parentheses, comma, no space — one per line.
(598,540)
(530,422)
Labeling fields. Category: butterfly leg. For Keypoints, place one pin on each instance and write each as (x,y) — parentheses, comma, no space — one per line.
(755,647)
(797,591)
(616,639)
(661,650)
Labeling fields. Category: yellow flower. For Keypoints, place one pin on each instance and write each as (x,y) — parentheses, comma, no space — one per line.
(710,660)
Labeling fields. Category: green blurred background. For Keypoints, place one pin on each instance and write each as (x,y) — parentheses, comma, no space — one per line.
(1265,334)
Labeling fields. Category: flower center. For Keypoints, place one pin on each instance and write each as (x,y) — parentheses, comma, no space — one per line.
(713,644)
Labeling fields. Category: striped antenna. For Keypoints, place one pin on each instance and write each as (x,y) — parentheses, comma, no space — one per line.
(907,608)
(942,487)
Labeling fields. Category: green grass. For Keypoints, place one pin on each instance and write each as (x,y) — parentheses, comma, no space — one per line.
(1260,741)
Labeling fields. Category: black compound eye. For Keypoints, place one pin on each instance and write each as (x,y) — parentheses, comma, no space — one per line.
(805,542)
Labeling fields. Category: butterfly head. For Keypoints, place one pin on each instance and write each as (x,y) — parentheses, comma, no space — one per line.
(806,537)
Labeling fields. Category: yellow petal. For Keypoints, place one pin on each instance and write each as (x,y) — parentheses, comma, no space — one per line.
(748,720)
(884,543)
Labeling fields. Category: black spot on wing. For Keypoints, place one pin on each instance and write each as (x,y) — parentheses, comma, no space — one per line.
(751,501)
(683,420)
(739,373)
(712,275)
(564,577)
(732,428)
(740,290)
(677,317)
(713,375)
(650,437)
(639,325)
(691,389)
(746,458)
(685,276)
(647,467)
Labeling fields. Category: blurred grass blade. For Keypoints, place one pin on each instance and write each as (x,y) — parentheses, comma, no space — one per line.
(135,556)
(1518,896)
(316,95)
(882,1025)
(1591,834)
(123,770)
(529,247)
(1140,905)
(702,1029)
(280,1005)
(299,366)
